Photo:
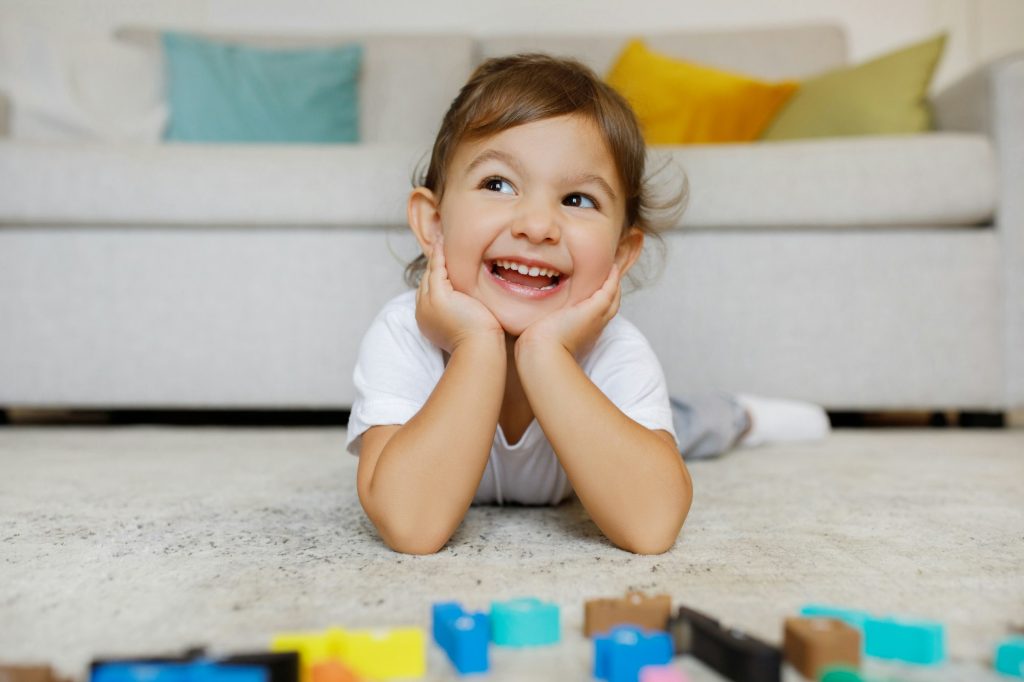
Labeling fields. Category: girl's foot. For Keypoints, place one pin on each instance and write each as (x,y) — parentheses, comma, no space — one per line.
(773,420)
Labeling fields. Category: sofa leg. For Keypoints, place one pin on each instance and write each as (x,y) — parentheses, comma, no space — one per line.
(981,420)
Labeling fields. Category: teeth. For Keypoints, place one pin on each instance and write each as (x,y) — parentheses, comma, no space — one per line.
(526,270)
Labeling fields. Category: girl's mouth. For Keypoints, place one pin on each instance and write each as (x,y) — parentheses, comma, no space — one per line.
(535,283)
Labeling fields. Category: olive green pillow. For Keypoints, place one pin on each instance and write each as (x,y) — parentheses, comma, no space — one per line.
(887,95)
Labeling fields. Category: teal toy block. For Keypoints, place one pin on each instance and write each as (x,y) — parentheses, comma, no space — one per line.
(841,674)
(1009,658)
(912,641)
(849,616)
(524,622)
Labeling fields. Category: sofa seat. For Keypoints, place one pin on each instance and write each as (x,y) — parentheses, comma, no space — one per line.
(939,179)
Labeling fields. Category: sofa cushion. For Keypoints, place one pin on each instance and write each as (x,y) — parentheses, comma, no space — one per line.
(925,180)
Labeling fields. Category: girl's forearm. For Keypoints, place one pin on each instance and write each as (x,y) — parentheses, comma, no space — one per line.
(632,481)
(427,474)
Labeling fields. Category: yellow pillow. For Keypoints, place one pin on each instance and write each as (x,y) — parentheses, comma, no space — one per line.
(678,102)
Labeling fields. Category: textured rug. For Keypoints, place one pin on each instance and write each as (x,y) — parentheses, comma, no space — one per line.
(141,540)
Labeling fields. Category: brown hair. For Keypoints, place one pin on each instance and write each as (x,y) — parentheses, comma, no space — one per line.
(504,92)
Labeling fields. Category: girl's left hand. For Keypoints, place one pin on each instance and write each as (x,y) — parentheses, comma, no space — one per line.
(577,327)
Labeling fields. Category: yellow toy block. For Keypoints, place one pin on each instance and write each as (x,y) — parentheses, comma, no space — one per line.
(386,653)
(312,647)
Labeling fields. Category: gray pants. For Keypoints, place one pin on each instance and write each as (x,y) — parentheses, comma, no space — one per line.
(707,424)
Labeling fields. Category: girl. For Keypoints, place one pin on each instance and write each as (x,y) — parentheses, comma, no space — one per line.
(506,376)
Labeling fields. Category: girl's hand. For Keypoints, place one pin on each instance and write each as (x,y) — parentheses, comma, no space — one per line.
(577,328)
(448,317)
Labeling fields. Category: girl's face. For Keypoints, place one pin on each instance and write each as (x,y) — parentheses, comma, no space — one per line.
(540,196)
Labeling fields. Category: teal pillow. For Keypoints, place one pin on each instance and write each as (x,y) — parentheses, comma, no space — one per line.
(225,92)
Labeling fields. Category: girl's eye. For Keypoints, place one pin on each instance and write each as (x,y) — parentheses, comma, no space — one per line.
(494,184)
(582,198)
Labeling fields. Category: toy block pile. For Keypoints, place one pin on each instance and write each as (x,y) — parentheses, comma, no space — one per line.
(635,639)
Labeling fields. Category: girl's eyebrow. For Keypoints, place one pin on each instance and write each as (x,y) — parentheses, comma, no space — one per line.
(513,162)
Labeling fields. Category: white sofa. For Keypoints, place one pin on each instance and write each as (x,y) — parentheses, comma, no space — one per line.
(859,273)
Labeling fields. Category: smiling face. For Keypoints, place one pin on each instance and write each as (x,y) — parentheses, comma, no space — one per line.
(532,219)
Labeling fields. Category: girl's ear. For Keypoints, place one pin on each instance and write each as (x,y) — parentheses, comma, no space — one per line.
(424,217)
(630,246)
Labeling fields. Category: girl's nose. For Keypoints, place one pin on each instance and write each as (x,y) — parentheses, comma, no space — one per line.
(538,223)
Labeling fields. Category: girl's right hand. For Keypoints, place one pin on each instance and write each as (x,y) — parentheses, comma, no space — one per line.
(447,317)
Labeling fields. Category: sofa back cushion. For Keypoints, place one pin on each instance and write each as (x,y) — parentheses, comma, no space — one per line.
(773,54)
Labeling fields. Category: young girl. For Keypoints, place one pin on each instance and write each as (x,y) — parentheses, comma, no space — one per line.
(507,376)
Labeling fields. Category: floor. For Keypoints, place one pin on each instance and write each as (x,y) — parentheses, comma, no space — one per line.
(141,539)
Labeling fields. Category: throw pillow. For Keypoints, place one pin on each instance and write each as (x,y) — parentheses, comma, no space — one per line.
(678,102)
(224,92)
(887,95)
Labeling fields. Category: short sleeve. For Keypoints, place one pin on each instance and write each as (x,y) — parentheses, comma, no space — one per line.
(624,366)
(395,373)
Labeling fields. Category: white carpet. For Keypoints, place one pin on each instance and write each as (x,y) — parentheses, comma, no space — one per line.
(140,540)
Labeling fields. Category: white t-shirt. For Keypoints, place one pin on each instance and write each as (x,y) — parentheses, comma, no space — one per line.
(398,369)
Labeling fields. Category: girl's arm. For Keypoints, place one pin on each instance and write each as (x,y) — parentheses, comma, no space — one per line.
(417,480)
(630,478)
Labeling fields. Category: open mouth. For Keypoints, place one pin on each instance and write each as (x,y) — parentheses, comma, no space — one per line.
(541,279)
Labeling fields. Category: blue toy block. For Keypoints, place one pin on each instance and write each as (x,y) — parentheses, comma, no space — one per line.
(919,642)
(464,636)
(849,616)
(619,655)
(199,671)
(524,622)
(1010,657)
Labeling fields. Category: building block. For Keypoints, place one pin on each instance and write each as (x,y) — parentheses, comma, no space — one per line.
(386,653)
(811,644)
(852,617)
(636,608)
(199,671)
(332,671)
(1009,658)
(732,653)
(912,641)
(620,654)
(524,622)
(29,673)
(464,636)
(280,667)
(311,647)
(662,673)
(840,674)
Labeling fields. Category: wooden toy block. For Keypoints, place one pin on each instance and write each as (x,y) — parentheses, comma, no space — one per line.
(524,622)
(465,637)
(311,647)
(811,644)
(620,654)
(332,671)
(29,673)
(662,673)
(386,653)
(851,617)
(732,653)
(636,608)
(840,674)
(911,641)
(1009,658)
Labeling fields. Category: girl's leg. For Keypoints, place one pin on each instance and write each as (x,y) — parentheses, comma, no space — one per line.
(708,424)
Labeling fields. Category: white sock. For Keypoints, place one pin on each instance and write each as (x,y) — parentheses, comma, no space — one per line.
(782,421)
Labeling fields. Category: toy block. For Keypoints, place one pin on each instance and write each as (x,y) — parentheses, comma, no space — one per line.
(1009,658)
(29,673)
(464,637)
(850,616)
(332,671)
(524,622)
(840,674)
(732,653)
(636,608)
(811,644)
(311,647)
(280,667)
(199,671)
(919,642)
(662,673)
(206,671)
(386,653)
(619,655)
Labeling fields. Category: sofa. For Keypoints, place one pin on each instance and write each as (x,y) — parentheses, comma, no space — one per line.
(860,273)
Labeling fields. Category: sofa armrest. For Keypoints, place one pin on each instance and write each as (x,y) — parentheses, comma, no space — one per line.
(991,100)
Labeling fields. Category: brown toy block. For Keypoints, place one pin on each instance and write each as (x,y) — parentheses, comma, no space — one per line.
(810,644)
(636,608)
(29,673)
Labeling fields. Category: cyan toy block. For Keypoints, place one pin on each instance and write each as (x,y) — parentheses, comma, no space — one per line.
(841,674)
(850,616)
(912,641)
(464,636)
(524,622)
(200,671)
(619,655)
(662,673)
(386,653)
(1009,658)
